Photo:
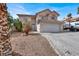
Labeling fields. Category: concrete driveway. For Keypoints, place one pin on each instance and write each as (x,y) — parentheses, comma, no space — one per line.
(66,44)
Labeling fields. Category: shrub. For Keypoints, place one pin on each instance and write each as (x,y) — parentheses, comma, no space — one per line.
(10,20)
(27,27)
(18,25)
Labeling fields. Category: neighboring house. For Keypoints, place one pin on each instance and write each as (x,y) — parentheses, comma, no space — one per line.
(73,19)
(71,22)
(44,21)
(24,18)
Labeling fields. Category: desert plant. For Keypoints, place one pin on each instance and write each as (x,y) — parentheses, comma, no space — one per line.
(27,27)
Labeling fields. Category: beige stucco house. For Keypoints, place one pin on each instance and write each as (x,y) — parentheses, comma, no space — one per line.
(72,19)
(43,21)
(31,18)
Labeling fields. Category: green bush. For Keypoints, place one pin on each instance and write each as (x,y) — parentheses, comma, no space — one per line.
(10,20)
(18,25)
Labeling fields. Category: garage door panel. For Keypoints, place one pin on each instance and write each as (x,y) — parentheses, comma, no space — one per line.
(49,28)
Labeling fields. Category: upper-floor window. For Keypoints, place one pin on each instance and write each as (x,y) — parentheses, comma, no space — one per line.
(40,17)
(38,21)
(54,17)
(47,15)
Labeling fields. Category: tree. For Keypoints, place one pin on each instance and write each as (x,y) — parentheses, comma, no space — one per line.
(69,15)
(78,10)
(10,20)
(18,25)
(69,18)
(5,44)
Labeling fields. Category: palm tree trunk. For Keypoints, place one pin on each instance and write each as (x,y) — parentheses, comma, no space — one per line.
(5,45)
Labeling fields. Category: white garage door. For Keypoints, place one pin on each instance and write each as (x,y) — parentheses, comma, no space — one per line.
(49,28)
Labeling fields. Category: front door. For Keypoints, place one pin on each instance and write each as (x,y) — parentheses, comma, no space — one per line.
(33,27)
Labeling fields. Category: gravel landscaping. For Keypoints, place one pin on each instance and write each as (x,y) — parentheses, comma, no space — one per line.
(31,45)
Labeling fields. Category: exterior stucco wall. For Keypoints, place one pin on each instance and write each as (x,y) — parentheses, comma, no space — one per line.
(24,19)
(38,28)
(45,16)
(61,27)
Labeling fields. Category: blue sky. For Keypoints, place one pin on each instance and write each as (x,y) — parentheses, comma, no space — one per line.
(32,8)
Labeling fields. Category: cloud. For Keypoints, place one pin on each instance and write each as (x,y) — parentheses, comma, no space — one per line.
(17,9)
(32,9)
(63,11)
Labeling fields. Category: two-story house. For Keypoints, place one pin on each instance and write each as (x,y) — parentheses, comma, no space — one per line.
(43,21)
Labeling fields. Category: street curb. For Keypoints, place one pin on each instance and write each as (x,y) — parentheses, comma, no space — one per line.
(52,45)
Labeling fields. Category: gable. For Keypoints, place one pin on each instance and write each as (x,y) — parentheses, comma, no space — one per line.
(47,11)
(23,17)
(44,12)
(26,17)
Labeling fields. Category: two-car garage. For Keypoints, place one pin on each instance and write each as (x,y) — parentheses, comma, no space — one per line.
(50,27)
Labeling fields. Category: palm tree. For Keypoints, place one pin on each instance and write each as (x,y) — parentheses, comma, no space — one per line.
(69,18)
(78,13)
(5,44)
(78,10)
(69,15)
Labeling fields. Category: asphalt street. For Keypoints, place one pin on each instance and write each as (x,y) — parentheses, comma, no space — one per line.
(66,44)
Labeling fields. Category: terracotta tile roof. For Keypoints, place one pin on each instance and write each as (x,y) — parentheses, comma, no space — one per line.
(24,15)
(49,11)
(55,12)
(43,11)
(32,16)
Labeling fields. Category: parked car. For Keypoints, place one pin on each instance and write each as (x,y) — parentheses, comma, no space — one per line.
(76,25)
(73,26)
(67,26)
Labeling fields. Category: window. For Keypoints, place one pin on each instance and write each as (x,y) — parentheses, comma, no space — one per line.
(47,15)
(40,18)
(76,23)
(54,17)
(38,21)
